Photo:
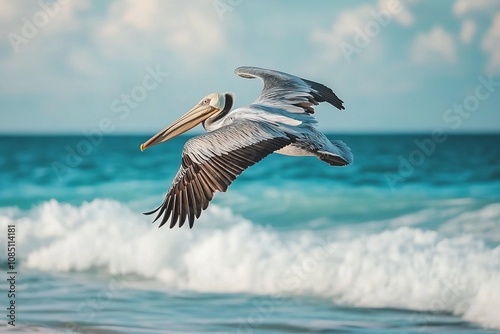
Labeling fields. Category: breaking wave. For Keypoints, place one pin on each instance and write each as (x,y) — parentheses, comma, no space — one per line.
(402,267)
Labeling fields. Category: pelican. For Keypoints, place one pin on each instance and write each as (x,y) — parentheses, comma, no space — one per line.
(279,121)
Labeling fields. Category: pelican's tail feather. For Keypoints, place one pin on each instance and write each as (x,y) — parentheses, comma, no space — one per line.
(339,154)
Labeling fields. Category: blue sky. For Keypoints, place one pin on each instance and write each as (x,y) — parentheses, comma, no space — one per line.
(134,66)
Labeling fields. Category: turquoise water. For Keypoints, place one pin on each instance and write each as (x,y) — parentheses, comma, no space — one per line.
(406,240)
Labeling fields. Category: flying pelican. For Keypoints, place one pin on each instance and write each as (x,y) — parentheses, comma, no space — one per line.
(279,121)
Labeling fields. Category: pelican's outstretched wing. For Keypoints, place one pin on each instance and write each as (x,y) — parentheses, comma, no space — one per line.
(289,92)
(210,162)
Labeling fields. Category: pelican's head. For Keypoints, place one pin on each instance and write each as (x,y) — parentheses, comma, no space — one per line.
(210,105)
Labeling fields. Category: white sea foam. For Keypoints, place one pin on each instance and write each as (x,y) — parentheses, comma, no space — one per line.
(402,267)
(483,223)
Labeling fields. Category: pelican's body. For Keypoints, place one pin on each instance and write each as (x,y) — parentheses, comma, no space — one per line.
(279,121)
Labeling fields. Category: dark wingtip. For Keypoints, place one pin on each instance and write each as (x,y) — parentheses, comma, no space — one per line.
(325,94)
(151,212)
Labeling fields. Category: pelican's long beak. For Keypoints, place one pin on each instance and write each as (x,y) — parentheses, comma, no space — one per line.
(192,118)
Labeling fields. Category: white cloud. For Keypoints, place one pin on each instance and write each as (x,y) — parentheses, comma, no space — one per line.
(462,7)
(357,28)
(491,45)
(192,29)
(76,41)
(467,31)
(437,45)
(43,16)
(37,33)
(8,10)
(400,10)
(343,31)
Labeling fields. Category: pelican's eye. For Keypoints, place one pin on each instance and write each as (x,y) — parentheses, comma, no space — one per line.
(205,101)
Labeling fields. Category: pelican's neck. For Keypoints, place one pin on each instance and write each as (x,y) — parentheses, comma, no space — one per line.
(214,122)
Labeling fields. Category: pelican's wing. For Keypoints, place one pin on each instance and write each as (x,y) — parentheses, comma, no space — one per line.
(290,92)
(210,162)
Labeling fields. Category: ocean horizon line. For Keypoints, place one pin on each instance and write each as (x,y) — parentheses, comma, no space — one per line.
(328,133)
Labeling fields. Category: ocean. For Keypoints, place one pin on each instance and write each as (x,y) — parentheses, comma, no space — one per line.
(405,240)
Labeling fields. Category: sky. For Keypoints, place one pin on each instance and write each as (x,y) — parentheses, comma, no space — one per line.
(123,66)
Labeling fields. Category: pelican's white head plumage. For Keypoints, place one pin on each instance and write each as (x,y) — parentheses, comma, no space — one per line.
(279,121)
